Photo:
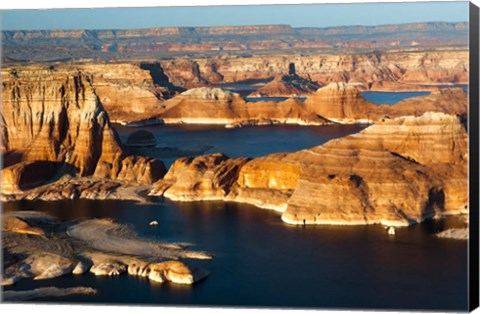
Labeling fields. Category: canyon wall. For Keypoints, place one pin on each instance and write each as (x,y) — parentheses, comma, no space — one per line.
(334,103)
(217,106)
(396,172)
(55,124)
(133,91)
(368,70)
(343,103)
(127,91)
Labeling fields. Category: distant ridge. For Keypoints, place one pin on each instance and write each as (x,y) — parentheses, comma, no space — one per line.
(164,42)
(246,29)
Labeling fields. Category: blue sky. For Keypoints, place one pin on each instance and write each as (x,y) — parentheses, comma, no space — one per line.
(299,15)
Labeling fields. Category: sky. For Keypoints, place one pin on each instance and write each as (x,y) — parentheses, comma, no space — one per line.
(298,15)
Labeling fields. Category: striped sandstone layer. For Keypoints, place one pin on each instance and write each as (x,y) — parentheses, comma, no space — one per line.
(54,125)
(397,172)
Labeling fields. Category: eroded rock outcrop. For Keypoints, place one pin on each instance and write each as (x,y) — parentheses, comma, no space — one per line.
(343,103)
(335,103)
(128,91)
(407,68)
(55,125)
(291,85)
(208,177)
(217,106)
(99,246)
(396,172)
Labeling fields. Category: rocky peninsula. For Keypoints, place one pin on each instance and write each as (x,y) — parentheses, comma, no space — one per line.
(396,172)
(38,246)
(335,103)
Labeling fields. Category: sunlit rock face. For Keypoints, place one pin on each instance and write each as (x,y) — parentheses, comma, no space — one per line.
(55,118)
(206,105)
(402,70)
(206,177)
(343,103)
(397,172)
(55,124)
(290,85)
(337,102)
(128,91)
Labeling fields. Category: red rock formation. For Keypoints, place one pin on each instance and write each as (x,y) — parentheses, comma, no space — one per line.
(217,106)
(343,103)
(203,178)
(338,102)
(404,67)
(396,172)
(290,85)
(56,124)
(128,91)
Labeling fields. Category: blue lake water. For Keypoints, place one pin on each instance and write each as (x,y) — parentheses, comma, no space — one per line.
(381,98)
(261,261)
(390,98)
(246,141)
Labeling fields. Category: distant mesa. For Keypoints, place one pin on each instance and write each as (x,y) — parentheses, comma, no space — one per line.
(141,138)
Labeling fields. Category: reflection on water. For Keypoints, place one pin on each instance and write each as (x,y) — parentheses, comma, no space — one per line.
(261,261)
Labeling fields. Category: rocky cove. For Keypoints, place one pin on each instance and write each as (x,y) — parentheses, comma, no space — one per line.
(409,165)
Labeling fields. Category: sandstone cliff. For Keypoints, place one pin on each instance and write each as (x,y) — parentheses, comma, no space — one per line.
(396,172)
(128,91)
(217,106)
(334,103)
(291,85)
(135,91)
(407,70)
(55,124)
(343,103)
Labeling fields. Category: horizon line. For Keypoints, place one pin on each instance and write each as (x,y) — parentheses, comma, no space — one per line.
(220,26)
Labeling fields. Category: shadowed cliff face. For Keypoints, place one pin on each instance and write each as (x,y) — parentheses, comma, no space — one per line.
(59,119)
(396,172)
